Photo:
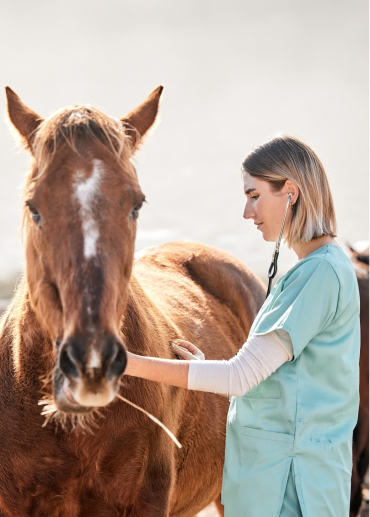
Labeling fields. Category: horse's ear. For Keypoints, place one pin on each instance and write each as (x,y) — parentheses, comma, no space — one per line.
(23,119)
(142,118)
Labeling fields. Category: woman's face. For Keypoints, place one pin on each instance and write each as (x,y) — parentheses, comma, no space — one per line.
(267,207)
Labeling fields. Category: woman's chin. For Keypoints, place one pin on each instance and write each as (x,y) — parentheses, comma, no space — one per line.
(268,238)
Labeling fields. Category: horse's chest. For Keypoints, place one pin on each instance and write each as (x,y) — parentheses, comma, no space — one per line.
(57,480)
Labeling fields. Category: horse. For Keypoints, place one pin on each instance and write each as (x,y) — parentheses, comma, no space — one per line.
(361,431)
(85,299)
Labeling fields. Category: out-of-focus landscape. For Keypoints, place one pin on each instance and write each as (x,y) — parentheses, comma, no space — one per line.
(235,74)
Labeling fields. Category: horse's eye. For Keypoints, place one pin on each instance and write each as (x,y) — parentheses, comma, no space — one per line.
(135,212)
(34,213)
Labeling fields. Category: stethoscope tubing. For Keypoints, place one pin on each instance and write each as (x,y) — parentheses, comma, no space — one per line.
(274,263)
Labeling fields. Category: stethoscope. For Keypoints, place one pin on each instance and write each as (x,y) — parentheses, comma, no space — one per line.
(273,266)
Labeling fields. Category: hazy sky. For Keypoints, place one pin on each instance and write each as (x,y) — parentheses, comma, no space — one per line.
(236,72)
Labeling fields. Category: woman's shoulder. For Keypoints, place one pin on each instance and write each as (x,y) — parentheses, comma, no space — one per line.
(329,261)
(327,271)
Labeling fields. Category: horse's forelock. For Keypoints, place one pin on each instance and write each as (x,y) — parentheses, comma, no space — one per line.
(75,123)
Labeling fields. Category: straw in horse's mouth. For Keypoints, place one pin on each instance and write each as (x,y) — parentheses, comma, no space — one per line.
(155,420)
(50,410)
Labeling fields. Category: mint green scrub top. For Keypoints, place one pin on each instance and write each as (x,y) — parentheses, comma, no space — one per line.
(301,418)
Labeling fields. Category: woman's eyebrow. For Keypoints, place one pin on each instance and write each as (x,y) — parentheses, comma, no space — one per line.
(249,191)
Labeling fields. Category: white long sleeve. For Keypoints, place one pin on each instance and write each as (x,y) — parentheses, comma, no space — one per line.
(258,358)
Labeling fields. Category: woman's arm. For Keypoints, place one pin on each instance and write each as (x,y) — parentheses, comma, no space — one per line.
(169,371)
(259,357)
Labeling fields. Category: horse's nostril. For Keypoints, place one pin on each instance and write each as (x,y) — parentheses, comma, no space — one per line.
(67,363)
(118,363)
(104,358)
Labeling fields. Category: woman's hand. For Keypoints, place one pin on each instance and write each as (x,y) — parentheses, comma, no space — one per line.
(187,350)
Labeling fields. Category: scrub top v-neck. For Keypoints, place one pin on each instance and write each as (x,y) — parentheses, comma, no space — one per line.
(301,418)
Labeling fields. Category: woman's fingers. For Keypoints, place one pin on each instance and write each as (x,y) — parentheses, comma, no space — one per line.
(187,350)
(182,352)
(187,345)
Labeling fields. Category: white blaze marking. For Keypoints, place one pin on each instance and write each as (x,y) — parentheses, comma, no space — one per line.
(94,361)
(86,192)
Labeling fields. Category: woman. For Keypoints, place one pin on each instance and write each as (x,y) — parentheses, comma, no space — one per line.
(294,383)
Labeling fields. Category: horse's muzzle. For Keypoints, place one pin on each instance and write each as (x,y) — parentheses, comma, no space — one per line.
(88,371)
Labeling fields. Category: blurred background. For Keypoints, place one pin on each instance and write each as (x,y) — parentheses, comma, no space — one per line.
(236,72)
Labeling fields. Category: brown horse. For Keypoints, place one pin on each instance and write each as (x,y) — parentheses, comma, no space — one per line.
(361,431)
(82,303)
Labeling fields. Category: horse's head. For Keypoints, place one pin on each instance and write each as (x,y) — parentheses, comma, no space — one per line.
(82,199)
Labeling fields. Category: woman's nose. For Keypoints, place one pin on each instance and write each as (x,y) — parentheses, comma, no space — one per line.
(248,212)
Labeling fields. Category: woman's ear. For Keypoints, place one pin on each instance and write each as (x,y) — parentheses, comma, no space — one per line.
(293,189)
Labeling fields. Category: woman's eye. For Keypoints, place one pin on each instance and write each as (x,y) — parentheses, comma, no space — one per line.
(254,197)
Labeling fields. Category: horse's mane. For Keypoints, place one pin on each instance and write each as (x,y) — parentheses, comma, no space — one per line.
(76,123)
(363,257)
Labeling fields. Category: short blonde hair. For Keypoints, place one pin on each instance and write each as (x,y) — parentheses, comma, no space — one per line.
(285,157)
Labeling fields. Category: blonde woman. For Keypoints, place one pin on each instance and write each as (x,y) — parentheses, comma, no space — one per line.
(294,383)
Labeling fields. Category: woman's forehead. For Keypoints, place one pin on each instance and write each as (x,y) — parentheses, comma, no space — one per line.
(250,182)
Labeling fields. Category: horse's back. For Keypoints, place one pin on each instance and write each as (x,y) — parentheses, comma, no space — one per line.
(170,270)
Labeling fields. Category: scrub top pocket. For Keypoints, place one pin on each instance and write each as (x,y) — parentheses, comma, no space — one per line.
(261,462)
(255,443)
(268,435)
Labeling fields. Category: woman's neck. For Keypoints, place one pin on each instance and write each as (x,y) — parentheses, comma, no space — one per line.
(302,249)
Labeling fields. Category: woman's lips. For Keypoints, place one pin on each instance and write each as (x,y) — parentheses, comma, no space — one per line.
(258,224)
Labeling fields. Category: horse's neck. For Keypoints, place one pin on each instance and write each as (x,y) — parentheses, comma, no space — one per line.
(134,320)
(23,339)
(142,321)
